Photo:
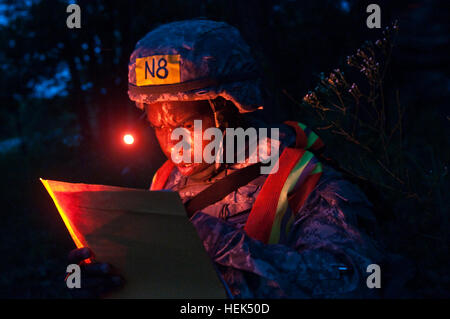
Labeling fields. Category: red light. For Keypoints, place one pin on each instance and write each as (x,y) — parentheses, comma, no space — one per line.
(128,139)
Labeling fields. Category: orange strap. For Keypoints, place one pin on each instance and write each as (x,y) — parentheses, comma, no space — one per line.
(301,140)
(260,221)
(298,198)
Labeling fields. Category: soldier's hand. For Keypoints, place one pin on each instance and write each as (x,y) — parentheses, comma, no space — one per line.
(96,278)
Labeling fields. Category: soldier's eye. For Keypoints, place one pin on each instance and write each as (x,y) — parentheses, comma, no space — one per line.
(156,127)
(188,125)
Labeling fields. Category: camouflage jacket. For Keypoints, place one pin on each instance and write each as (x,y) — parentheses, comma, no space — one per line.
(325,255)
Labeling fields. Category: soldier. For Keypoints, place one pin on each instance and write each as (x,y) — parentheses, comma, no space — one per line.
(292,233)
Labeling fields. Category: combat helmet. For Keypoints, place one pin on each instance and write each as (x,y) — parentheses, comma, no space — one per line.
(194,60)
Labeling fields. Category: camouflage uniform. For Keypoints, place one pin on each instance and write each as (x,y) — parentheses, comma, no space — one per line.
(324,254)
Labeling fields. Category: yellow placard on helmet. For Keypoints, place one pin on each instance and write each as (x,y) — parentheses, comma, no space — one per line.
(158,69)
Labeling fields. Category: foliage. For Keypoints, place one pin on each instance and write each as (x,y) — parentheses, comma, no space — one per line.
(360,116)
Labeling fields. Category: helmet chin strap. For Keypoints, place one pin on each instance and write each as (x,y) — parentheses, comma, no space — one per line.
(217,122)
(213,107)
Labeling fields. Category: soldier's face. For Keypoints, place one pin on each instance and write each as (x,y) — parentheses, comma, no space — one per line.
(167,116)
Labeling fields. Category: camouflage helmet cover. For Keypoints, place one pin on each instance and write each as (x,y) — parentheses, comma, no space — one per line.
(194,60)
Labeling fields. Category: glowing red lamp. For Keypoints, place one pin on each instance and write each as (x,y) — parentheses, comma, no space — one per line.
(128,139)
